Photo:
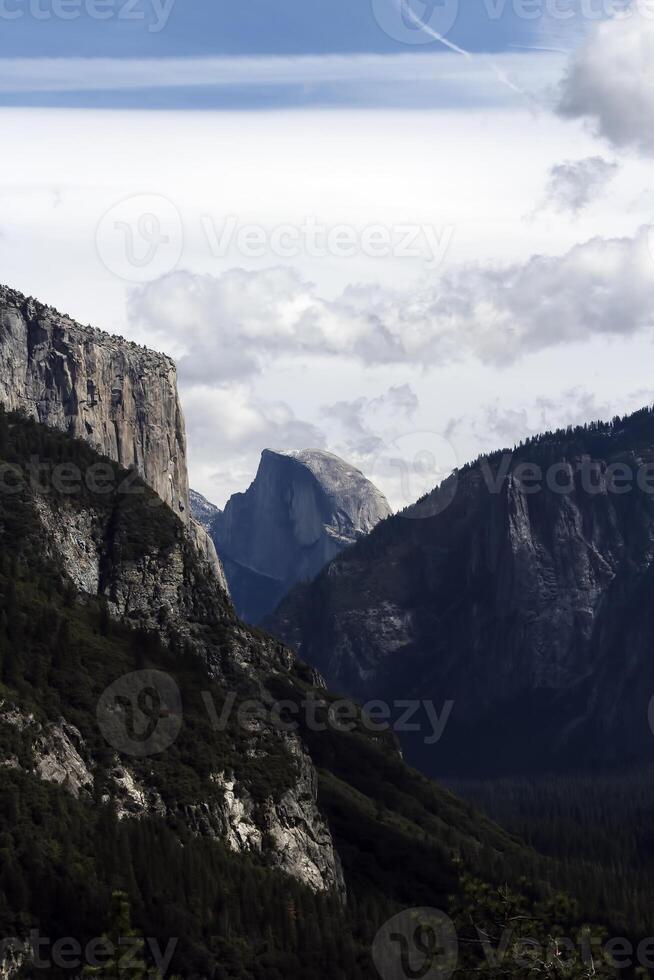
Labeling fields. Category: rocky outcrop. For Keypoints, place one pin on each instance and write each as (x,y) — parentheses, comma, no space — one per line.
(168,585)
(119,397)
(152,565)
(130,797)
(302,510)
(12,958)
(290,831)
(300,840)
(58,759)
(56,750)
(207,554)
(523,604)
(203,511)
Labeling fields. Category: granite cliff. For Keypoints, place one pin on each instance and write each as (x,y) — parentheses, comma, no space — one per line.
(119,397)
(138,707)
(203,511)
(151,741)
(523,602)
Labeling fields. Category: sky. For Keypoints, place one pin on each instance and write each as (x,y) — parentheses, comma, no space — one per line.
(403,232)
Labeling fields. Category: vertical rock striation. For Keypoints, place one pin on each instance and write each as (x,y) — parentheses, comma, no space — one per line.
(302,510)
(524,601)
(119,397)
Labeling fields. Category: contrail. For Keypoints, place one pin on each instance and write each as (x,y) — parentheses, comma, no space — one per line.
(536,47)
(497,71)
(431,32)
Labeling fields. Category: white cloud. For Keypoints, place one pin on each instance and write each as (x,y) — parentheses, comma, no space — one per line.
(499,426)
(398,400)
(610,82)
(420,77)
(236,325)
(228,427)
(574,184)
(366,425)
(438,167)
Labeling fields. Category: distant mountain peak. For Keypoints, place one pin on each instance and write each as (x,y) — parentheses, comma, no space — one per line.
(302,509)
(519,590)
(202,510)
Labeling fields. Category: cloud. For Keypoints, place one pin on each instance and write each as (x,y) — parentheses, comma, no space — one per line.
(495,426)
(354,416)
(574,184)
(408,78)
(229,426)
(609,82)
(382,438)
(233,327)
(366,424)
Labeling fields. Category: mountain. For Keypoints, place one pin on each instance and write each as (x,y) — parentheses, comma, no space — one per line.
(155,749)
(302,509)
(202,510)
(119,397)
(520,592)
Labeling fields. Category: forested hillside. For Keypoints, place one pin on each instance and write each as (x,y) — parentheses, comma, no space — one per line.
(518,591)
(67,843)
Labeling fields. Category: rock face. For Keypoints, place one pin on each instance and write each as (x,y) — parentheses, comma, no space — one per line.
(291,836)
(174,591)
(527,606)
(119,397)
(302,509)
(202,510)
(154,567)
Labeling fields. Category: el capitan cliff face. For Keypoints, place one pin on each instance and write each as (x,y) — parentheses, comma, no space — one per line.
(117,396)
(158,572)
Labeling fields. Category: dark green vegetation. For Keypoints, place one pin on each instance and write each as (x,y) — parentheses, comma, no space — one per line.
(521,591)
(599,828)
(403,841)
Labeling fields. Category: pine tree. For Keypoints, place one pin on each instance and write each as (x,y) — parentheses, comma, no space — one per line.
(126,962)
